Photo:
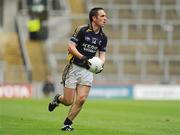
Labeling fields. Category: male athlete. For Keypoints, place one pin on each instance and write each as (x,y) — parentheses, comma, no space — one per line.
(77,79)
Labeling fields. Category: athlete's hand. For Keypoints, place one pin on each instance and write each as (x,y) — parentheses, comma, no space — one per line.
(85,62)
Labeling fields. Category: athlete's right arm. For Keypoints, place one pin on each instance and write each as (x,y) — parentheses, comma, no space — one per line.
(74,41)
(72,50)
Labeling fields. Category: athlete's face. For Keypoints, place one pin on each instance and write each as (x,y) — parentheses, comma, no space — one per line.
(101,18)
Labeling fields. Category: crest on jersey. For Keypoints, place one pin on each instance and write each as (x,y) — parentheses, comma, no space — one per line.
(87,38)
(94,40)
(100,42)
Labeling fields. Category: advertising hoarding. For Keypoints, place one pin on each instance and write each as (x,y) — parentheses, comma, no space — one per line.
(15,91)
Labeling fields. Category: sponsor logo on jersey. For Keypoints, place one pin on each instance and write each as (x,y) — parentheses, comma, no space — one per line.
(89,48)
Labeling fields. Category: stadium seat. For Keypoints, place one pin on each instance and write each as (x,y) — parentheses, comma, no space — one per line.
(38,60)
(14,68)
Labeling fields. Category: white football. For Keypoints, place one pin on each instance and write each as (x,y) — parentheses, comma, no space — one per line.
(96,64)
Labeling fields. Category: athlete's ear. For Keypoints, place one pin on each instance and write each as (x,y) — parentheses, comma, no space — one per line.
(94,18)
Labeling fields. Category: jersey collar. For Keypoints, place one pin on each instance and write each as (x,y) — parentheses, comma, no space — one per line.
(90,29)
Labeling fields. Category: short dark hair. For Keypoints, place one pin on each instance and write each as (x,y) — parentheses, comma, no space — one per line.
(94,12)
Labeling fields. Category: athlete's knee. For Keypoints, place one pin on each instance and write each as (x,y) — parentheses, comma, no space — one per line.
(68,101)
(81,100)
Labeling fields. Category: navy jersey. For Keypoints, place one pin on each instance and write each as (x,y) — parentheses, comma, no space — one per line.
(88,42)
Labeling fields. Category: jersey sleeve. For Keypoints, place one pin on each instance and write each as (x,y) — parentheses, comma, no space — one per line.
(104,44)
(77,35)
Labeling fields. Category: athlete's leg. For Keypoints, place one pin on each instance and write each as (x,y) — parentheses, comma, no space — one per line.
(79,99)
(82,92)
(68,97)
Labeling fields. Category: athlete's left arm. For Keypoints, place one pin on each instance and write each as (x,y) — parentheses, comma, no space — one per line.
(102,55)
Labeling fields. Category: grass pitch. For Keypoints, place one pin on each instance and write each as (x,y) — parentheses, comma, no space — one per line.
(98,117)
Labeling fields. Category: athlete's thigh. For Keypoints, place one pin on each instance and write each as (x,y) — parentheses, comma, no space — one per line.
(82,91)
(69,93)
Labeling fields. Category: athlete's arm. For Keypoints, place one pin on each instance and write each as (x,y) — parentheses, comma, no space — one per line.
(102,56)
(72,50)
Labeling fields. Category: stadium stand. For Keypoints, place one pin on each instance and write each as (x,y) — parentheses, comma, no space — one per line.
(13,67)
(38,60)
(144,31)
(144,39)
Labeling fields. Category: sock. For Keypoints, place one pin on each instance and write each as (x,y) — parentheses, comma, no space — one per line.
(67,121)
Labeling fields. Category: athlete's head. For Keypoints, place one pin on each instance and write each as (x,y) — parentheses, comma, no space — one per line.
(98,16)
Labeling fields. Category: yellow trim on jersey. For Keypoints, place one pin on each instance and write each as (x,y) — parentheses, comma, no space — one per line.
(79,28)
(89,30)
